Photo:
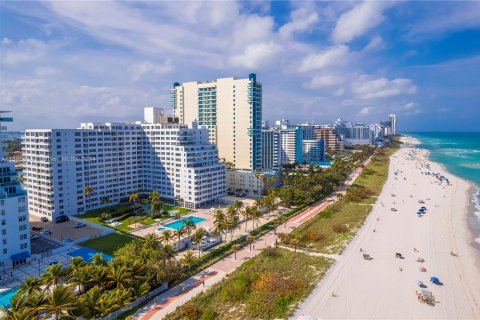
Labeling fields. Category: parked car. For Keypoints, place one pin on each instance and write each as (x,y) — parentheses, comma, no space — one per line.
(230,193)
(68,240)
(79,225)
(33,236)
(44,219)
(36,228)
(61,219)
(243,194)
(46,232)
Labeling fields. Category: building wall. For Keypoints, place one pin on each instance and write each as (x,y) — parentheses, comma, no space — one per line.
(234,121)
(14,224)
(246,181)
(117,159)
(329,135)
(313,151)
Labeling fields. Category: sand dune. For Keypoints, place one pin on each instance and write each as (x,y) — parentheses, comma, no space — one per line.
(377,289)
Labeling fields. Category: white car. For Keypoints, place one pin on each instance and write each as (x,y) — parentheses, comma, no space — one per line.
(79,225)
(46,232)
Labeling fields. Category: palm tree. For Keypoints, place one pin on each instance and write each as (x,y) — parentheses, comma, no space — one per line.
(189,227)
(104,200)
(59,301)
(99,260)
(81,278)
(188,260)
(120,277)
(198,237)
(238,205)
(75,266)
(52,275)
(179,234)
(100,276)
(167,252)
(88,191)
(20,309)
(167,236)
(154,197)
(151,242)
(29,286)
(248,214)
(91,299)
(250,241)
(133,198)
(256,214)
(219,222)
(235,248)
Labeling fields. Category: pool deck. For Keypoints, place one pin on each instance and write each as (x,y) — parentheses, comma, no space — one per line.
(202,213)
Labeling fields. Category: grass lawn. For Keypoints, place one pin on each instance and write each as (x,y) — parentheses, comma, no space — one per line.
(109,243)
(266,287)
(140,218)
(332,229)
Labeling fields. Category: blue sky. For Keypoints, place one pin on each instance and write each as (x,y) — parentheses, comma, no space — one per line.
(62,63)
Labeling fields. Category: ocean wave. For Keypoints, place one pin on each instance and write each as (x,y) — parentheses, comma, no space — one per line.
(470,165)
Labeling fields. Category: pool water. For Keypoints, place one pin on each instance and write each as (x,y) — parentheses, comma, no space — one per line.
(6,297)
(87,254)
(180,223)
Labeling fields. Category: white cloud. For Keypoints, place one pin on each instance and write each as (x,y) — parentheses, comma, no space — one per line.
(331,56)
(365,111)
(5,41)
(256,55)
(376,43)
(382,87)
(339,92)
(359,20)
(443,110)
(24,51)
(443,19)
(150,69)
(46,71)
(409,106)
(324,81)
(302,19)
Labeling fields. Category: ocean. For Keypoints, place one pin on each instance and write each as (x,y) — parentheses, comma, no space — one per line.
(459,152)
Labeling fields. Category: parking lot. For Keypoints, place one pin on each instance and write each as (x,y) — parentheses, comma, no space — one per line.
(61,231)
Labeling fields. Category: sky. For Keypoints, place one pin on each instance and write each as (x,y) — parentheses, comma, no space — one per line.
(67,62)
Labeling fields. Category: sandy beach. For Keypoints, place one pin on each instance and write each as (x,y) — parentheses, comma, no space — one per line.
(385,287)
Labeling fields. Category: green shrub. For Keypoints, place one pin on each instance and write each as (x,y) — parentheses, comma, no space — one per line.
(236,290)
(209,314)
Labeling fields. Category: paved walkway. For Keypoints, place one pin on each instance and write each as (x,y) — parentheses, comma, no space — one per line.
(182,293)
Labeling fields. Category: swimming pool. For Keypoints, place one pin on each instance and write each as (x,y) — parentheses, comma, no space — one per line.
(6,297)
(180,223)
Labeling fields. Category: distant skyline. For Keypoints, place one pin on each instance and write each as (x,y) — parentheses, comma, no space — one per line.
(62,63)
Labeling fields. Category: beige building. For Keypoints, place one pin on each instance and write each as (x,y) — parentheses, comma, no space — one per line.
(231,109)
(329,135)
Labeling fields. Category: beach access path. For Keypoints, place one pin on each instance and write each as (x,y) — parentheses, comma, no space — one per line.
(385,287)
(168,301)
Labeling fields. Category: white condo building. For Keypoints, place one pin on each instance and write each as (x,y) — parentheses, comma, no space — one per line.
(392,118)
(15,229)
(116,159)
(232,110)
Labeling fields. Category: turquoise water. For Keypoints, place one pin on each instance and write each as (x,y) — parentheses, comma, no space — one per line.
(180,223)
(459,152)
(6,297)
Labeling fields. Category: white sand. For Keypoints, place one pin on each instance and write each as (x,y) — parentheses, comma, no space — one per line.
(377,288)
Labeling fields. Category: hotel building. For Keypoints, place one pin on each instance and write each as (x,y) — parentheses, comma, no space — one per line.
(116,159)
(330,137)
(232,110)
(392,118)
(15,229)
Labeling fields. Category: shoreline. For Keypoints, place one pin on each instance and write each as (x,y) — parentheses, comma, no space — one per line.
(472,221)
(385,287)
